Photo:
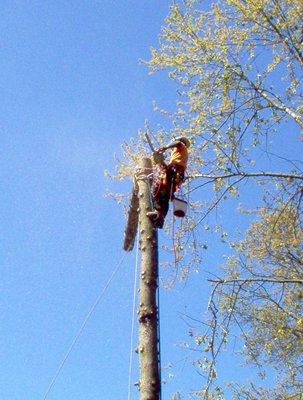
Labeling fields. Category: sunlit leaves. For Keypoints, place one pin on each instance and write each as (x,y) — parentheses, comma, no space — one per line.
(269,288)
(237,69)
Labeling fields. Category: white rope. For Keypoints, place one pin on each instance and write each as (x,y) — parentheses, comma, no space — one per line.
(130,368)
(80,331)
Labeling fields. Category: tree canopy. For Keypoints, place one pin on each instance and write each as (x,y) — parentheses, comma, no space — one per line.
(237,66)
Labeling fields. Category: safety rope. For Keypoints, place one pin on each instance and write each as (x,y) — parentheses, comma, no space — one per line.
(159,177)
(173,225)
(80,331)
(159,338)
(130,368)
(140,175)
(150,197)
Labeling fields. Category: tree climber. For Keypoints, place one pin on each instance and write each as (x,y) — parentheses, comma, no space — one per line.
(168,179)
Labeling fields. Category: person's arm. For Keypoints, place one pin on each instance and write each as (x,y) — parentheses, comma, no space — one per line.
(170,146)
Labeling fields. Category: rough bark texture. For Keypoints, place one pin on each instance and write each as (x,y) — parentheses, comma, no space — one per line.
(148,321)
(132,221)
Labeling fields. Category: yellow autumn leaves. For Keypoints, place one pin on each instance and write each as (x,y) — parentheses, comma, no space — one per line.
(275,233)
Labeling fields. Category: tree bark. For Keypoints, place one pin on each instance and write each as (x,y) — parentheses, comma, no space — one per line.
(149,384)
(132,221)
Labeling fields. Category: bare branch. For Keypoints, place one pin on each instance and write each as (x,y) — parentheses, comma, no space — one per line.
(248,175)
(271,100)
(251,280)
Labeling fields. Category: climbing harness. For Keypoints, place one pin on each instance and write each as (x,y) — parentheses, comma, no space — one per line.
(166,181)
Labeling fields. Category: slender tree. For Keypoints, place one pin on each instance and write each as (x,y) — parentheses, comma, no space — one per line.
(149,384)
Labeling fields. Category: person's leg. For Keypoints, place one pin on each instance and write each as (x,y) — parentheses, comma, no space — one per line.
(176,177)
(160,197)
(170,174)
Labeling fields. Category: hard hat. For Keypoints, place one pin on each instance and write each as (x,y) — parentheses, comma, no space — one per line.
(184,140)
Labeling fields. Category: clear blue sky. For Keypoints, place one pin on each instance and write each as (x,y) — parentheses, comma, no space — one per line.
(72,90)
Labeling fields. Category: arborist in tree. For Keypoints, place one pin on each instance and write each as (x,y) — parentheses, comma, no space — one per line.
(169,177)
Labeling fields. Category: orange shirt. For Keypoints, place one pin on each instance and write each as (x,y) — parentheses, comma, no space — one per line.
(179,155)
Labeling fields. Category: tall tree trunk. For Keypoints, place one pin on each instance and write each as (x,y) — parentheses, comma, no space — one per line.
(147,313)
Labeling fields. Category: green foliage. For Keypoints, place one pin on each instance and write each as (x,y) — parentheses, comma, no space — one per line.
(237,67)
(262,291)
(228,96)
